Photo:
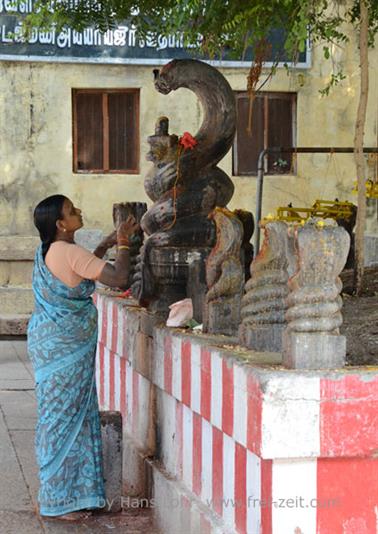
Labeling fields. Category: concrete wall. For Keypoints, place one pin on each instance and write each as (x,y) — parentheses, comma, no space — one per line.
(36,137)
(223,440)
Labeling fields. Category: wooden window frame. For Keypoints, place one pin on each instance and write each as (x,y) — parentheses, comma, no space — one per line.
(268,95)
(105,115)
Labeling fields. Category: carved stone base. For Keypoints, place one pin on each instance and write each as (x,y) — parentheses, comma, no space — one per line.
(222,317)
(313,351)
(263,338)
(178,273)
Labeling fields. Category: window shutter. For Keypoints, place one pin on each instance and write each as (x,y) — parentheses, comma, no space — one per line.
(248,147)
(89,131)
(123,131)
(280,130)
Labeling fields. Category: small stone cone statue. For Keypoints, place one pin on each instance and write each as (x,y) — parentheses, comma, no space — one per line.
(311,338)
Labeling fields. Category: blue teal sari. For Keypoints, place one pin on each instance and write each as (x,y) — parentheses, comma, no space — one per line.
(62,337)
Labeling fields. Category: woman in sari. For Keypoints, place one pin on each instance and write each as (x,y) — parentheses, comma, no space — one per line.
(62,338)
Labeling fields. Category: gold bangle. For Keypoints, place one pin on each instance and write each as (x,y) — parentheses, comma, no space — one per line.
(123,247)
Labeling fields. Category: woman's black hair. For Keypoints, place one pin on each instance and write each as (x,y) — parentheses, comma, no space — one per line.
(46,213)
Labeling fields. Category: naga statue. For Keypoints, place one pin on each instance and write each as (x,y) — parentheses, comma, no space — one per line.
(312,338)
(264,305)
(185,185)
(224,275)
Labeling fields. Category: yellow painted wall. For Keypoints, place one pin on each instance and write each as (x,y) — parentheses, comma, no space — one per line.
(36,137)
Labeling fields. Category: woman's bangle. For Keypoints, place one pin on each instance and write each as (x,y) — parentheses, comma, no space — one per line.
(123,247)
(123,242)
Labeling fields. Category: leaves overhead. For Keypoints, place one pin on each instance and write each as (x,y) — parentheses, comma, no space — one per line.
(222,24)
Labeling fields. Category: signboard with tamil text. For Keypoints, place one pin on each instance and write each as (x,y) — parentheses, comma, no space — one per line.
(120,45)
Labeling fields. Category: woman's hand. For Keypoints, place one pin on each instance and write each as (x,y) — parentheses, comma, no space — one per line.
(110,240)
(126,229)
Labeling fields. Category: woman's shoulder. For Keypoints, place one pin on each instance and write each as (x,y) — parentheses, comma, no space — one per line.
(70,247)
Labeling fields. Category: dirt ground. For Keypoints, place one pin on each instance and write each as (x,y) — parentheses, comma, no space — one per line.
(360,316)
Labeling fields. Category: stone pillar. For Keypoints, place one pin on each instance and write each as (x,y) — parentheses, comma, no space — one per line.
(264,304)
(111,432)
(311,338)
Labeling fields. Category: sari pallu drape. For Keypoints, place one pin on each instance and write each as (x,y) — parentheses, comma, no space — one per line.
(62,337)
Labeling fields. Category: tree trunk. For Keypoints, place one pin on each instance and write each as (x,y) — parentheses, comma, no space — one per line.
(358,148)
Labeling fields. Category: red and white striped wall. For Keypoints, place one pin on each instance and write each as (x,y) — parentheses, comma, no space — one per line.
(267,450)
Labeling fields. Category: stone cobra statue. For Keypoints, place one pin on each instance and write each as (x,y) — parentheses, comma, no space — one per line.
(186,184)
(224,275)
(311,339)
(314,302)
(264,303)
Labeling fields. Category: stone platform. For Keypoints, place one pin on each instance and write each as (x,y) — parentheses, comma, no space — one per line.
(232,441)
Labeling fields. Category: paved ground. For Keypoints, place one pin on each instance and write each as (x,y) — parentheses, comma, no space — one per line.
(18,470)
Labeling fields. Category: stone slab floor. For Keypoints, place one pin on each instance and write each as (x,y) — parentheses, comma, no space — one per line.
(18,470)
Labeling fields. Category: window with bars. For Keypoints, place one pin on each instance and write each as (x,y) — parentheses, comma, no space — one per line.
(273,125)
(105,130)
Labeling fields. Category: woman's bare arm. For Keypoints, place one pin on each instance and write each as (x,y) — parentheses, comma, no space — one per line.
(118,274)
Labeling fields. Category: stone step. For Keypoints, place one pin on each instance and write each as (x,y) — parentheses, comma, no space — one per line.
(14,325)
(17,247)
(16,300)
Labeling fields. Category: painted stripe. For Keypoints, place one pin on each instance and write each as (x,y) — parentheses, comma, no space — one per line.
(207,463)
(186,371)
(179,439)
(266,496)
(168,364)
(216,390)
(227,397)
(135,405)
(241,489)
(117,382)
(106,378)
(111,379)
(176,367)
(120,330)
(291,417)
(229,481)
(347,495)
(114,327)
(195,391)
(205,384)
(197,453)
(255,495)
(187,471)
(293,488)
(158,358)
(240,405)
(125,336)
(123,407)
(348,416)
(205,525)
(101,376)
(98,372)
(109,321)
(129,395)
(254,414)
(217,470)
(99,304)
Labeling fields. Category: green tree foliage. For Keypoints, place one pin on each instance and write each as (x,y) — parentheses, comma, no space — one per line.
(231,24)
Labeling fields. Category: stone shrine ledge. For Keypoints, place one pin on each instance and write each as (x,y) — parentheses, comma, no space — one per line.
(229,433)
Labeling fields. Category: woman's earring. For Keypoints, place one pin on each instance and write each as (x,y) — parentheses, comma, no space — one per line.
(64,229)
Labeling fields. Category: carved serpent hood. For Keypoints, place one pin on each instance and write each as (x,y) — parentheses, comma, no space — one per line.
(217,131)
